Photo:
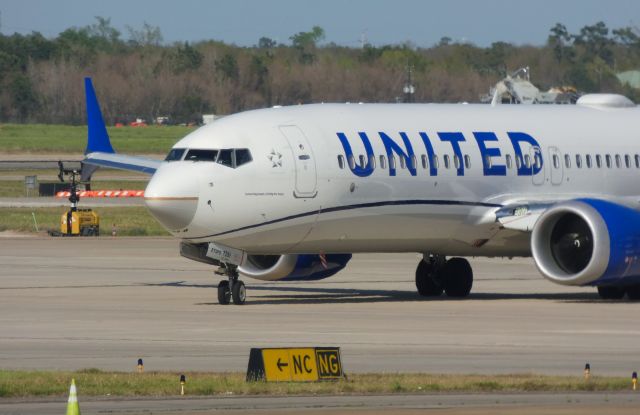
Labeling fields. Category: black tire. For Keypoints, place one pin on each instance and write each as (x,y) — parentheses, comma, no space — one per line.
(611,293)
(633,292)
(458,277)
(239,293)
(224,293)
(425,283)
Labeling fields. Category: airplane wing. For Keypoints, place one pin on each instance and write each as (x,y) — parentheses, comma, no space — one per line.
(99,152)
(521,216)
(122,162)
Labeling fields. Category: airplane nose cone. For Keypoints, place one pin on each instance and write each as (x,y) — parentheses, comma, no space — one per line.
(172,197)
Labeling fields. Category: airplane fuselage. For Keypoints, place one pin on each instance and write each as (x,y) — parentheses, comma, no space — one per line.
(345,178)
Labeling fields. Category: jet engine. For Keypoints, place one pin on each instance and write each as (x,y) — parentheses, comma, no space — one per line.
(588,242)
(290,267)
(293,267)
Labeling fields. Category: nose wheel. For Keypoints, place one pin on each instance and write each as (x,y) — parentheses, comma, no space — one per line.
(231,289)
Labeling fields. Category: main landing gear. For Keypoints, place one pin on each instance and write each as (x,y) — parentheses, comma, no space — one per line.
(617,293)
(435,274)
(233,289)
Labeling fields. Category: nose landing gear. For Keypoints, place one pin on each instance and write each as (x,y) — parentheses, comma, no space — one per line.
(233,289)
(435,274)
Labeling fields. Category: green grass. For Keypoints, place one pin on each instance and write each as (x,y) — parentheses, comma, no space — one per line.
(42,138)
(129,221)
(93,382)
(15,188)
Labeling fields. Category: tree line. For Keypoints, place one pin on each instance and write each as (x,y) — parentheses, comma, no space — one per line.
(137,75)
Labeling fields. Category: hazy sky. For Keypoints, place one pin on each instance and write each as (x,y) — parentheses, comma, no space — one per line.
(345,22)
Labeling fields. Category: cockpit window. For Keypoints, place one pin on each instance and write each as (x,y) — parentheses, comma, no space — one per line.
(175,154)
(243,156)
(226,158)
(201,155)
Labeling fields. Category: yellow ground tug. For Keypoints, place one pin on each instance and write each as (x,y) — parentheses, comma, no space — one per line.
(77,222)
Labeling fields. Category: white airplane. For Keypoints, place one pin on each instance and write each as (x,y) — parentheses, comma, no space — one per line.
(289,193)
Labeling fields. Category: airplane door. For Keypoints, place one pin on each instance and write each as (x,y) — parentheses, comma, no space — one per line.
(535,156)
(305,164)
(555,166)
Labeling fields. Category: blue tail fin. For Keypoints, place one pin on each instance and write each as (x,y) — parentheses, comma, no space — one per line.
(98,139)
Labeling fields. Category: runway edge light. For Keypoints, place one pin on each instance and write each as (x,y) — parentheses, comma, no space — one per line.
(299,364)
(587,371)
(140,366)
(183,380)
(73,408)
(634,380)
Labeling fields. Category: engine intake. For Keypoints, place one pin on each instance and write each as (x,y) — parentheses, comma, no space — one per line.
(588,242)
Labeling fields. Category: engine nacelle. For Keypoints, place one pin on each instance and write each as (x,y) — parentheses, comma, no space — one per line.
(292,267)
(588,242)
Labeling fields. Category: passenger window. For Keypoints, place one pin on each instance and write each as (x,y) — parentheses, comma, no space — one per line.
(413,162)
(467,161)
(456,161)
(607,158)
(537,161)
(175,154)
(383,162)
(372,161)
(201,155)
(243,156)
(637,161)
(403,162)
(352,162)
(627,160)
(567,161)
(362,163)
(588,157)
(424,161)
(618,161)
(507,159)
(518,161)
(446,161)
(487,161)
(225,158)
(527,161)
(598,161)
(341,161)
(392,162)
(578,161)
(556,161)
(434,161)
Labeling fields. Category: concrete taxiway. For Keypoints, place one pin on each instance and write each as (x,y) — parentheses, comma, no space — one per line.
(70,303)
(449,404)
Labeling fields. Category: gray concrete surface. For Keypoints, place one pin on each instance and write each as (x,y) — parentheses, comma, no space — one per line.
(85,202)
(533,403)
(100,302)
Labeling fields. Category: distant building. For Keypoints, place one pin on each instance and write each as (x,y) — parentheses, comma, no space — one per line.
(517,88)
(631,78)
